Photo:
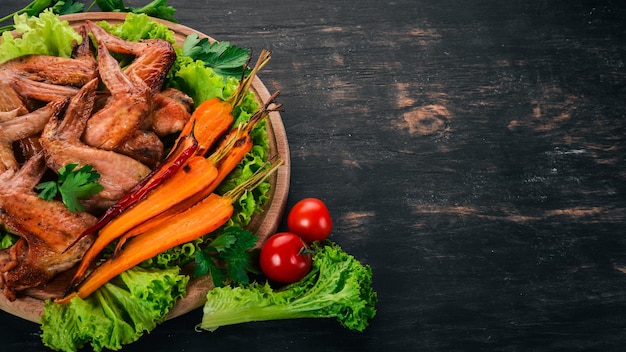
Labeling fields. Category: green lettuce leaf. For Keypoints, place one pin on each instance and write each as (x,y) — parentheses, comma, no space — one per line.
(118,313)
(137,27)
(200,82)
(7,239)
(43,35)
(338,286)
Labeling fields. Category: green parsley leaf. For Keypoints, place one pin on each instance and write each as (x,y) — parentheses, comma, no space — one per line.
(111,5)
(47,190)
(67,7)
(72,186)
(225,59)
(37,6)
(159,9)
(231,249)
(156,8)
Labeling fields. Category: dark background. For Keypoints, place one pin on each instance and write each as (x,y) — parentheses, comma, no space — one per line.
(471,152)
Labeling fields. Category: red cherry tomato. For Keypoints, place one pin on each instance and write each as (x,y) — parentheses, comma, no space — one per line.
(285,258)
(309,218)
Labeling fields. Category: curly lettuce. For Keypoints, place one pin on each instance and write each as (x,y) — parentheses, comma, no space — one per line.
(7,239)
(338,286)
(43,35)
(118,313)
(137,27)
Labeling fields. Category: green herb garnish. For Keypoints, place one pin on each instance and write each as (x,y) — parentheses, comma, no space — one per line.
(72,185)
(225,59)
(232,248)
(156,8)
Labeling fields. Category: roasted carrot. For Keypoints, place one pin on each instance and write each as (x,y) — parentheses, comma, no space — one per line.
(214,117)
(197,174)
(205,217)
(233,148)
(231,151)
(241,147)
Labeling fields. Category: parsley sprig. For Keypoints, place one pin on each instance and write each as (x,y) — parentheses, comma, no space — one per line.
(72,185)
(230,248)
(225,59)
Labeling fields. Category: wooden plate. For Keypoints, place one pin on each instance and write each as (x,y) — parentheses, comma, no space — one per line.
(263,224)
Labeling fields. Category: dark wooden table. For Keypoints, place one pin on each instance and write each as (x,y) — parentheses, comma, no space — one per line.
(471,152)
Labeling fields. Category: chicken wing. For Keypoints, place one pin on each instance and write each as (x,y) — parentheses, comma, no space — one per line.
(171,110)
(62,145)
(153,57)
(22,126)
(125,110)
(46,229)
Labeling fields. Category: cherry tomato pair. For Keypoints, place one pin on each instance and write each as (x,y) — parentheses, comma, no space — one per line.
(285,257)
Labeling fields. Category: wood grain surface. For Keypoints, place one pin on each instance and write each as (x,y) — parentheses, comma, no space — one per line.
(471,152)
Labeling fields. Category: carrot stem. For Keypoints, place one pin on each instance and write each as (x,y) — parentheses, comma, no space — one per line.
(214,117)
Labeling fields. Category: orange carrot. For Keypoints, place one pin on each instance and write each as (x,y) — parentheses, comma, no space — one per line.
(231,151)
(205,217)
(197,174)
(214,117)
(236,151)
(240,149)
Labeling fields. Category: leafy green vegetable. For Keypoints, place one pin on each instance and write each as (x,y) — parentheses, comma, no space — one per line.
(43,35)
(137,27)
(67,7)
(118,313)
(7,239)
(72,185)
(156,8)
(337,286)
(225,59)
(231,247)
(200,82)
(32,9)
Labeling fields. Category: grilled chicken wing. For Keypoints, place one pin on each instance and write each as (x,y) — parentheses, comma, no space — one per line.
(172,109)
(46,78)
(52,69)
(62,145)
(46,229)
(124,112)
(117,126)
(20,127)
(153,58)
(9,99)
